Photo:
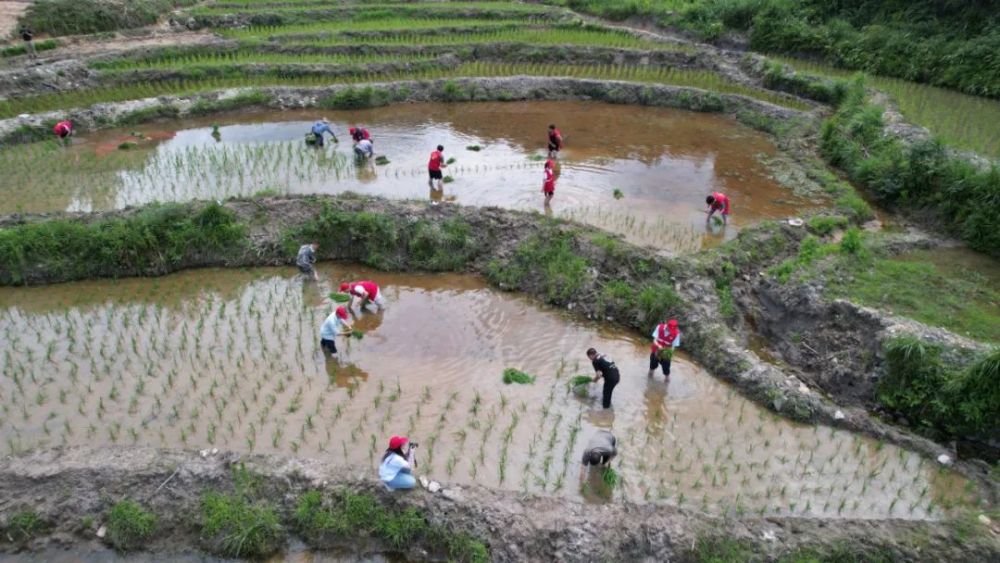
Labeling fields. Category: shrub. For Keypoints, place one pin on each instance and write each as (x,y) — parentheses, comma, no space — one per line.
(25,525)
(246,99)
(851,243)
(356,98)
(69,17)
(238,528)
(129,525)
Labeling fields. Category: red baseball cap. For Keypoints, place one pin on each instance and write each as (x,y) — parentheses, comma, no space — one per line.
(397,442)
(672,323)
(344,286)
(342,312)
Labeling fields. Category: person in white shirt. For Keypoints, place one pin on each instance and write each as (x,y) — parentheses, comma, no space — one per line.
(334,325)
(364,149)
(396,469)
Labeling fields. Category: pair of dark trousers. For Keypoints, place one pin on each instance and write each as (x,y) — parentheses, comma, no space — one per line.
(609,387)
(654,359)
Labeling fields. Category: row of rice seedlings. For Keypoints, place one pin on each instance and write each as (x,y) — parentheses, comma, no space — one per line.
(355,26)
(554,36)
(962,120)
(701,79)
(379,11)
(212,60)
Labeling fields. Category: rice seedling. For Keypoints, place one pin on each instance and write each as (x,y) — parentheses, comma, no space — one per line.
(511,375)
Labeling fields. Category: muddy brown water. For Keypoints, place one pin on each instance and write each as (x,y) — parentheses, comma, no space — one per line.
(230,359)
(663,161)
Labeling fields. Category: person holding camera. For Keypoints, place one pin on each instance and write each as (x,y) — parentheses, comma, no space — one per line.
(396,470)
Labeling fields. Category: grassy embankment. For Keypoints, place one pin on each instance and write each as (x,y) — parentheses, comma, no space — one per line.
(74,17)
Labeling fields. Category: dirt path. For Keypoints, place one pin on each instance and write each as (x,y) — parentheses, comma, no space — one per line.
(10,10)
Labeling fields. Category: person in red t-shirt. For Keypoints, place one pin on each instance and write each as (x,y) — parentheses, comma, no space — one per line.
(549,185)
(359,134)
(555,141)
(434,168)
(63,130)
(362,293)
(717,202)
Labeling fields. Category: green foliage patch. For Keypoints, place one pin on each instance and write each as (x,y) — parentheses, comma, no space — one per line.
(72,17)
(129,525)
(155,240)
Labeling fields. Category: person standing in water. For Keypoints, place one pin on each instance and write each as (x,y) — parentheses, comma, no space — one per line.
(335,325)
(319,128)
(549,183)
(306,260)
(396,469)
(604,368)
(434,167)
(555,141)
(717,202)
(666,336)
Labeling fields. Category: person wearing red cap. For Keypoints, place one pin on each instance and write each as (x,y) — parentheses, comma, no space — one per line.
(549,184)
(665,336)
(434,166)
(334,325)
(717,202)
(362,293)
(63,130)
(396,469)
(359,134)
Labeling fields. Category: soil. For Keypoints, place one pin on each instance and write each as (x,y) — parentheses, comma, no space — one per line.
(515,527)
(10,11)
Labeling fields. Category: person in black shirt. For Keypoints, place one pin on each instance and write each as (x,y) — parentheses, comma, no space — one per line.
(607,369)
(29,42)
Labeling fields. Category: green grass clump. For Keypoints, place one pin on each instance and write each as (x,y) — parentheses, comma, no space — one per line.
(511,375)
(548,259)
(129,525)
(24,525)
(156,240)
(381,160)
(242,100)
(447,179)
(340,297)
(357,334)
(347,515)
(356,98)
(127,145)
(237,527)
(938,394)
(581,380)
(474,148)
(15,50)
(824,225)
(618,194)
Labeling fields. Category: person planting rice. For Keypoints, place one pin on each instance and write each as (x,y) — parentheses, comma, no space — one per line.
(319,128)
(601,449)
(362,293)
(717,202)
(335,325)
(607,369)
(63,130)
(306,260)
(359,134)
(555,141)
(549,183)
(666,337)
(363,149)
(434,167)
(396,469)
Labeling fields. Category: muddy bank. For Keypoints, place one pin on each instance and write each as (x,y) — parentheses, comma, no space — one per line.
(514,527)
(465,89)
(512,249)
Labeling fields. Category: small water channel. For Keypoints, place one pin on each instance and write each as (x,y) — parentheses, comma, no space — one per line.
(663,162)
(230,359)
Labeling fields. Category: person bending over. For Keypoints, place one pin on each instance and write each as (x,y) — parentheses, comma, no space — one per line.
(306,260)
(606,369)
(362,293)
(717,202)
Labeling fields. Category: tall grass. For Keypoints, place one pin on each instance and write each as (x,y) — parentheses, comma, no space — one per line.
(330,27)
(212,60)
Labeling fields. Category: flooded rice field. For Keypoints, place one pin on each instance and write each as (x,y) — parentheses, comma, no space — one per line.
(641,172)
(230,359)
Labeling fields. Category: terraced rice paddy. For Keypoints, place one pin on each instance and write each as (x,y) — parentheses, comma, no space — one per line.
(662,162)
(230,359)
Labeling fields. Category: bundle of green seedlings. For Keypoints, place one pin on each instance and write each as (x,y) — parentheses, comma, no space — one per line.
(511,375)
(340,297)
(580,385)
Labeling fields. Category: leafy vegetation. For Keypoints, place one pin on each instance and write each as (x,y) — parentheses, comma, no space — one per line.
(945,43)
(347,514)
(921,176)
(511,375)
(932,393)
(548,259)
(24,525)
(129,525)
(15,50)
(241,524)
(244,99)
(153,240)
(71,17)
